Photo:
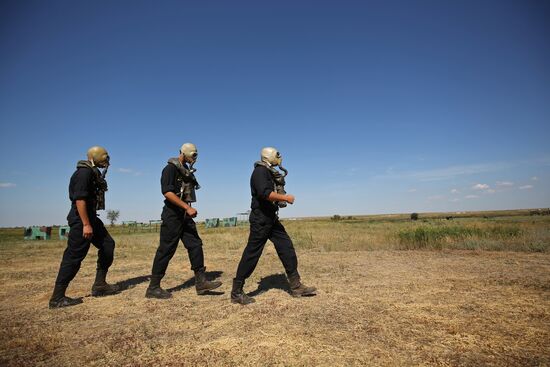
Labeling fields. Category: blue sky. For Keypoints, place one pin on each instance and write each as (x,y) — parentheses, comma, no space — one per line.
(376,106)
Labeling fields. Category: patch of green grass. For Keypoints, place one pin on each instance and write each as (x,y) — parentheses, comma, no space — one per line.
(436,236)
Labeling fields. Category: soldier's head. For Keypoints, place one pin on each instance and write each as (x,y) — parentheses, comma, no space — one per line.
(271,156)
(98,156)
(188,153)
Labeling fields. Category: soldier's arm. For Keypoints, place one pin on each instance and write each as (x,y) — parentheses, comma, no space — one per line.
(81,206)
(167,180)
(174,199)
(83,182)
(273,196)
(261,178)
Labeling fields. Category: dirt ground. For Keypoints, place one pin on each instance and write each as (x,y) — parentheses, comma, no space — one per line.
(447,308)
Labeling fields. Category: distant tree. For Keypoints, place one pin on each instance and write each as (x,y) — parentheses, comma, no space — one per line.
(112,216)
(414,216)
(336,217)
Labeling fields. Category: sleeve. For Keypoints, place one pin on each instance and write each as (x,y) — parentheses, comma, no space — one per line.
(262,182)
(168,179)
(83,184)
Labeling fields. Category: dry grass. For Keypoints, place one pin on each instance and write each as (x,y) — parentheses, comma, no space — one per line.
(382,307)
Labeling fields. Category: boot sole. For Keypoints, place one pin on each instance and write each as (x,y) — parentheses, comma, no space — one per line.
(103,293)
(242,304)
(54,306)
(155,297)
(203,291)
(307,294)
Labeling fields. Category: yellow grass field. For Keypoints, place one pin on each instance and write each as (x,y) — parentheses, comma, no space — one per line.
(466,292)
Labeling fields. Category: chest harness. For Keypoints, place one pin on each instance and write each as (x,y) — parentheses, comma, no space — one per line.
(100,184)
(278,180)
(187,179)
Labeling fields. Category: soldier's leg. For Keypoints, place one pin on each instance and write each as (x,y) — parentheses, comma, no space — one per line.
(284,247)
(77,248)
(287,254)
(106,246)
(259,233)
(170,234)
(193,243)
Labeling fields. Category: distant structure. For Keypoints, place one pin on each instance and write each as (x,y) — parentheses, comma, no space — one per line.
(154,224)
(216,222)
(130,224)
(212,222)
(64,232)
(243,217)
(134,226)
(38,233)
(230,222)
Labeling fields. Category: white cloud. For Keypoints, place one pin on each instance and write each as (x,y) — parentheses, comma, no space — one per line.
(411,190)
(6,185)
(504,183)
(526,187)
(471,197)
(128,171)
(480,186)
(454,200)
(451,172)
(490,191)
(448,172)
(534,178)
(455,191)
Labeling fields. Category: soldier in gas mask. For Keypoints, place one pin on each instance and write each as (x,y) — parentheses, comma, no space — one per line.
(268,195)
(178,185)
(87,194)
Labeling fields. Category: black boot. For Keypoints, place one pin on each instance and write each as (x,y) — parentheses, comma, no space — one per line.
(59,299)
(238,295)
(100,287)
(202,285)
(155,291)
(297,289)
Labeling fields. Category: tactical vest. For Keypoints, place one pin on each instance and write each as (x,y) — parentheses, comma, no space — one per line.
(278,181)
(100,183)
(188,181)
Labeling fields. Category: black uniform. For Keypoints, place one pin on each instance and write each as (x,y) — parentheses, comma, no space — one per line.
(83,186)
(176,226)
(264,225)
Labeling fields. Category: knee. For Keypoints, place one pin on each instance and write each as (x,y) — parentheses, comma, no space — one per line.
(193,245)
(73,257)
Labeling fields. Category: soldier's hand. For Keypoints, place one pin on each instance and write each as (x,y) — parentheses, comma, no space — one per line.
(192,212)
(88,231)
(290,199)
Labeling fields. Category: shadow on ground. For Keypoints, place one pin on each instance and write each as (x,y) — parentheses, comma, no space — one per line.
(132,282)
(210,275)
(273,281)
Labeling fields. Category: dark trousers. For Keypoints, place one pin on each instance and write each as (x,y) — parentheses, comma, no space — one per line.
(177,226)
(78,246)
(262,228)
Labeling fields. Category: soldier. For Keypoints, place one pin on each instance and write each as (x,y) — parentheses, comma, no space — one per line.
(178,185)
(268,195)
(87,193)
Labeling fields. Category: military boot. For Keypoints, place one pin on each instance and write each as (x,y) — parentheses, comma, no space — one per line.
(238,295)
(202,285)
(100,287)
(297,289)
(155,291)
(59,299)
